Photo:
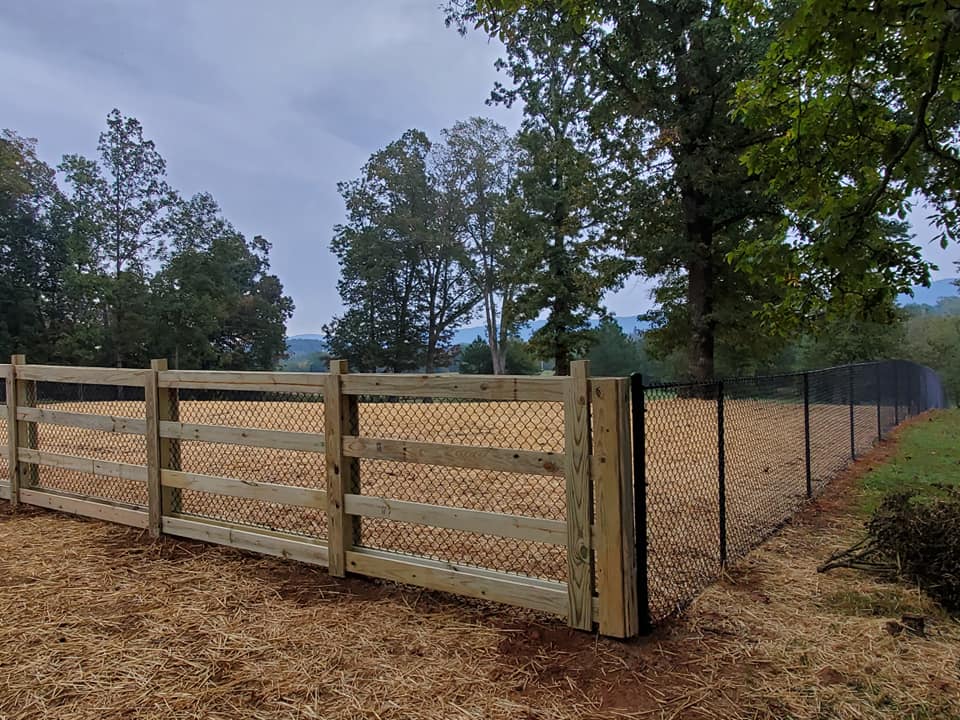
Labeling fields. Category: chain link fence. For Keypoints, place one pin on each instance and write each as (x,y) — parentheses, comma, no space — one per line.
(720,466)
(520,425)
(4,442)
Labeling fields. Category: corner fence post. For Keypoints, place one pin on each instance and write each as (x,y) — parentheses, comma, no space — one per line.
(343,478)
(13,463)
(28,474)
(579,497)
(722,475)
(638,409)
(853,439)
(806,433)
(616,563)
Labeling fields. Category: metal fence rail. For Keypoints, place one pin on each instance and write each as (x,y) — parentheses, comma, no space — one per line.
(720,466)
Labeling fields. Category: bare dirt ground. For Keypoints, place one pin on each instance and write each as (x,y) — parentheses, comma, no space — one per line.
(99,622)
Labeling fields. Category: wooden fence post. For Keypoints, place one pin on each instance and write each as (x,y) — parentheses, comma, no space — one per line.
(151,397)
(168,449)
(13,464)
(340,418)
(28,474)
(613,487)
(579,497)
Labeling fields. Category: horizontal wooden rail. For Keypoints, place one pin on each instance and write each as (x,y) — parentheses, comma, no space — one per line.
(528,462)
(280,382)
(251,539)
(250,489)
(101,509)
(452,518)
(251,437)
(543,595)
(85,421)
(463,387)
(103,468)
(84,375)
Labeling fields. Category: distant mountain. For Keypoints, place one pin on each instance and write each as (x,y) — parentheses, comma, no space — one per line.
(929,296)
(464,336)
(304,345)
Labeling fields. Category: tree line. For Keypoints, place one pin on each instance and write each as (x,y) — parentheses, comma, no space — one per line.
(111,266)
(757,159)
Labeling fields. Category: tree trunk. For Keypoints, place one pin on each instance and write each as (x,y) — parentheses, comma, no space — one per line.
(700,277)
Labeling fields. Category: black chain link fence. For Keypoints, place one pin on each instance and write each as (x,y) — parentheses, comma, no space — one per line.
(130,448)
(4,442)
(720,466)
(517,425)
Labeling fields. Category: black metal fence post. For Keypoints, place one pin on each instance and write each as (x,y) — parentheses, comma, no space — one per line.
(806,431)
(722,475)
(879,383)
(896,393)
(638,410)
(853,439)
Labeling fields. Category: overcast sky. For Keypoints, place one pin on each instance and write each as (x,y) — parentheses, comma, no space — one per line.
(265,105)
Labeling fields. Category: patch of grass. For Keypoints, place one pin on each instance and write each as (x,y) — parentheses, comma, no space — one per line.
(892,601)
(927,455)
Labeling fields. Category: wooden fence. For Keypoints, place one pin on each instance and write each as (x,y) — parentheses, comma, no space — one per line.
(152,463)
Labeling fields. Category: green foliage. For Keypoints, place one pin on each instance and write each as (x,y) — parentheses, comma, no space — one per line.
(859,104)
(614,353)
(476,358)
(77,281)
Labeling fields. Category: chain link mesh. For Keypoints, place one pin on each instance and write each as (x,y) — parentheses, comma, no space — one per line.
(4,438)
(512,425)
(267,411)
(699,507)
(103,400)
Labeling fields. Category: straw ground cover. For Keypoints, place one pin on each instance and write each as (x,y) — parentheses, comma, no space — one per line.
(765,475)
(99,622)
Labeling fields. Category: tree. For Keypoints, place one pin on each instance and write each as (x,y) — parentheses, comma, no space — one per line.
(404,272)
(659,76)
(215,302)
(859,102)
(614,353)
(476,358)
(119,205)
(476,167)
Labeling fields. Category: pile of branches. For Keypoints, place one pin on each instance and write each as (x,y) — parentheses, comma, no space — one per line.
(914,538)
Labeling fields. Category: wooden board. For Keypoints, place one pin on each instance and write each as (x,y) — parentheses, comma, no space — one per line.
(120,514)
(103,423)
(103,468)
(152,411)
(486,523)
(85,375)
(613,486)
(280,382)
(13,469)
(579,497)
(339,417)
(276,544)
(4,491)
(450,385)
(529,462)
(251,437)
(250,489)
(540,595)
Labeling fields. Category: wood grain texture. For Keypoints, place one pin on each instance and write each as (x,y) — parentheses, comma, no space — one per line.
(152,411)
(528,462)
(614,539)
(478,521)
(13,469)
(92,466)
(85,375)
(579,497)
(340,418)
(250,437)
(4,491)
(291,547)
(103,423)
(79,506)
(25,398)
(451,385)
(250,489)
(280,382)
(484,584)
